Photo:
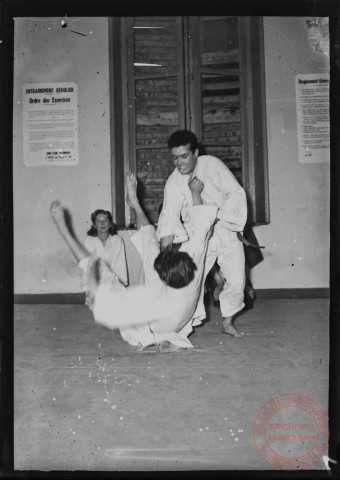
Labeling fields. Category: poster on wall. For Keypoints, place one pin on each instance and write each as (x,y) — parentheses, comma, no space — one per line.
(313,126)
(50,124)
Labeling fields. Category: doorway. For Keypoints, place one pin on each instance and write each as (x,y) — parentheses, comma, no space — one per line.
(205,74)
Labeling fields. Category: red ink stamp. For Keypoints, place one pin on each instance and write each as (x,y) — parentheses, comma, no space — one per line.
(291,432)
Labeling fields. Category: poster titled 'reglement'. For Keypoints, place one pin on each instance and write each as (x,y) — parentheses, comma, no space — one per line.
(50,124)
(313,126)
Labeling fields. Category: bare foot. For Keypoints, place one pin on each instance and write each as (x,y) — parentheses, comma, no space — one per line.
(167,347)
(89,299)
(131,189)
(229,329)
(147,349)
(58,215)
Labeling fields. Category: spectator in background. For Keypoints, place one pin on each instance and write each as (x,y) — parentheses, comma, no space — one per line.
(102,241)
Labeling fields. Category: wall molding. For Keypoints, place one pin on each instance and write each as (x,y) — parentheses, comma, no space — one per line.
(50,298)
(79,298)
(272,293)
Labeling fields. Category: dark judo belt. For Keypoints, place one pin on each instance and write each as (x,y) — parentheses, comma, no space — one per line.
(245,242)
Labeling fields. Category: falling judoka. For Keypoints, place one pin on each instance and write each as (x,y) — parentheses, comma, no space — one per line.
(160,311)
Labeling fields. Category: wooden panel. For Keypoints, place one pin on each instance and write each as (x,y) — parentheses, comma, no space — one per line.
(231,156)
(153,167)
(217,134)
(158,109)
(220,58)
(223,152)
(116,122)
(156,103)
(205,81)
(217,78)
(155,44)
(152,134)
(255,154)
(158,118)
(223,115)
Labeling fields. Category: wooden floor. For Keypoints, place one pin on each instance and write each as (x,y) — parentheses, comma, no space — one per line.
(85,400)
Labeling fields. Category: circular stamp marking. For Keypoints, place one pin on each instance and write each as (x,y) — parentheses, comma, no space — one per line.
(291,432)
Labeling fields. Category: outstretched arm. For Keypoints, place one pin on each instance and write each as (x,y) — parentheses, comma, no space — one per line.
(97,269)
(132,200)
(75,246)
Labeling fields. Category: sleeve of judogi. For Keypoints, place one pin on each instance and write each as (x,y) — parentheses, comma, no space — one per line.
(90,244)
(84,265)
(201,218)
(118,259)
(233,213)
(169,222)
(147,246)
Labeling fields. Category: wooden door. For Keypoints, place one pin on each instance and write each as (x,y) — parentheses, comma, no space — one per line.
(194,73)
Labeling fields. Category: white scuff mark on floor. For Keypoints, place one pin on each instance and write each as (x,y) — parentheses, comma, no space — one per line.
(156,454)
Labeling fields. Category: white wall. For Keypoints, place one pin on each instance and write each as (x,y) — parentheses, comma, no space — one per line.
(297,238)
(299,193)
(45,52)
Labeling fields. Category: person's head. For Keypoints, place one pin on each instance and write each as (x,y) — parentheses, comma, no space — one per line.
(176,269)
(102,223)
(183,146)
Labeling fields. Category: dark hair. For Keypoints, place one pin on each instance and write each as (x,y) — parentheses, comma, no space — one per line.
(93,231)
(176,269)
(183,137)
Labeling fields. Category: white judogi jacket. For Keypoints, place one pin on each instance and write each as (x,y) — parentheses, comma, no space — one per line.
(147,314)
(220,189)
(113,253)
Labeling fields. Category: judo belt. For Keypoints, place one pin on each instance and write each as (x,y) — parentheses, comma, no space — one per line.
(245,242)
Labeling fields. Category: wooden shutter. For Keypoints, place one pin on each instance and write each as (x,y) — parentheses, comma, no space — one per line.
(155,102)
(205,74)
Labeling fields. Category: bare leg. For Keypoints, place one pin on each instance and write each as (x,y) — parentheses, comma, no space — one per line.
(229,329)
(220,284)
(132,200)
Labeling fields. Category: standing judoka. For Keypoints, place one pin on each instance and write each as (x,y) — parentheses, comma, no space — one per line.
(222,190)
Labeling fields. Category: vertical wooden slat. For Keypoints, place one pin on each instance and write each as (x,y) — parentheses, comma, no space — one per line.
(129,107)
(117,151)
(187,72)
(254,154)
(157,107)
(195,78)
(125,115)
(246,112)
(180,73)
(131,93)
(262,214)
